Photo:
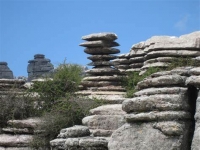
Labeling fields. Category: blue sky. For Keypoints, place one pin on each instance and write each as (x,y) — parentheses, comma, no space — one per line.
(55,27)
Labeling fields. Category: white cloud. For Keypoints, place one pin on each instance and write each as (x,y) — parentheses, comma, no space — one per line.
(182,23)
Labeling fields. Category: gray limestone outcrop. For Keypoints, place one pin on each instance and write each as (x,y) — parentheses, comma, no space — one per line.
(163,114)
(39,67)
(18,134)
(5,72)
(103,76)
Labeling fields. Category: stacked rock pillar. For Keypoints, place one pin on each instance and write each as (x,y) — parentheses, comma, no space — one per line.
(5,72)
(38,67)
(103,78)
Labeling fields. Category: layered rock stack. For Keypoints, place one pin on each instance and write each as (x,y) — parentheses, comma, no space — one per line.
(122,62)
(136,57)
(39,67)
(19,134)
(11,86)
(5,72)
(96,132)
(103,78)
(164,114)
(161,50)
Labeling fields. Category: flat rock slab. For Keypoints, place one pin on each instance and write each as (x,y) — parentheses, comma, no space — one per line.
(102,71)
(100,36)
(160,102)
(136,65)
(156,64)
(158,116)
(136,59)
(167,90)
(195,71)
(121,61)
(102,57)
(26,123)
(15,148)
(99,83)
(101,50)
(114,109)
(193,80)
(108,88)
(137,52)
(122,66)
(166,80)
(93,143)
(107,122)
(15,140)
(12,81)
(101,133)
(143,136)
(18,131)
(159,59)
(101,63)
(58,144)
(75,131)
(103,78)
(99,43)
(172,53)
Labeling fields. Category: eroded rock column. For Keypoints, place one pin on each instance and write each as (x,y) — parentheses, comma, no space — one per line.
(5,72)
(103,78)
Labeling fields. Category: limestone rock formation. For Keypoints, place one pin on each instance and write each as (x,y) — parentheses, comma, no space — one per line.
(5,72)
(38,67)
(103,78)
(18,134)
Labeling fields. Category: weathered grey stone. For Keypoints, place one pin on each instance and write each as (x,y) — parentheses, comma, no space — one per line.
(101,50)
(142,136)
(133,70)
(114,109)
(39,67)
(18,131)
(158,116)
(90,143)
(170,128)
(107,122)
(136,59)
(140,45)
(159,59)
(103,78)
(172,53)
(26,123)
(108,88)
(102,57)
(99,43)
(103,71)
(195,71)
(99,83)
(75,131)
(100,36)
(15,148)
(156,64)
(136,65)
(100,63)
(15,140)
(58,144)
(5,72)
(126,55)
(101,133)
(160,102)
(137,52)
(193,80)
(121,61)
(166,80)
(122,67)
(196,137)
(167,90)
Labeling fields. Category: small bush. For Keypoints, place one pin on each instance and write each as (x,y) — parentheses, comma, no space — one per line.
(131,80)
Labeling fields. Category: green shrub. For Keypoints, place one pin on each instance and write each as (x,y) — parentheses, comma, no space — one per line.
(131,80)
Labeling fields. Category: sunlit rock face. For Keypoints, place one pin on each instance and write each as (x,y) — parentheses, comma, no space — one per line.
(38,67)
(164,113)
(5,72)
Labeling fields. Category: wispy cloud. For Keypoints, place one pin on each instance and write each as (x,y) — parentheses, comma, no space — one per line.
(182,23)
